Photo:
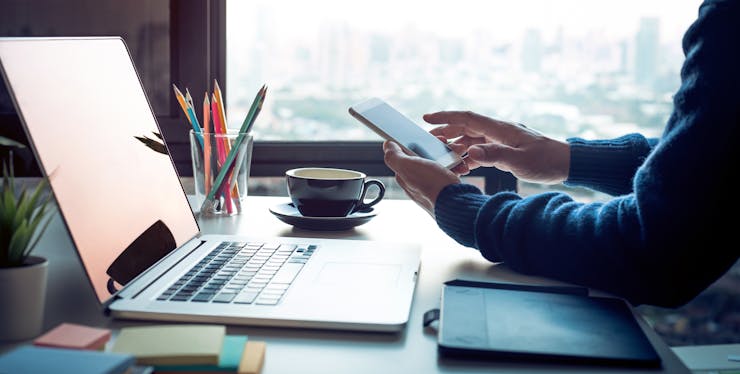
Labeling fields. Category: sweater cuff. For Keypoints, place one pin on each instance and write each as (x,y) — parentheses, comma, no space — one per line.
(456,210)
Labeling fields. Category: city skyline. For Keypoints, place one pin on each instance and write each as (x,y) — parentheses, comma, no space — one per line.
(541,76)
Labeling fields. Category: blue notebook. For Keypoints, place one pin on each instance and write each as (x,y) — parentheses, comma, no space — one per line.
(42,360)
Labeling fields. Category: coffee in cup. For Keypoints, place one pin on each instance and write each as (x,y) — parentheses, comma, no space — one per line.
(329,192)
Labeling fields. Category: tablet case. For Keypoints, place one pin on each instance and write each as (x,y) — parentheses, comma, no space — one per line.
(538,323)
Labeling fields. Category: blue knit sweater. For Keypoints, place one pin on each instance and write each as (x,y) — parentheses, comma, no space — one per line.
(670,228)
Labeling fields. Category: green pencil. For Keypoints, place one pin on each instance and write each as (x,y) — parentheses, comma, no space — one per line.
(246,125)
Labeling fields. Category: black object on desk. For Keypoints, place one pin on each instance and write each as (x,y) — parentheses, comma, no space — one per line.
(538,323)
(289,214)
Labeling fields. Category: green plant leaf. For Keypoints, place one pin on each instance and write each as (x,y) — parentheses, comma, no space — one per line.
(21,209)
(26,204)
(17,243)
(37,235)
(23,219)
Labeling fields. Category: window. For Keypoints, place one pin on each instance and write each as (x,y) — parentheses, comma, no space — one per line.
(566,68)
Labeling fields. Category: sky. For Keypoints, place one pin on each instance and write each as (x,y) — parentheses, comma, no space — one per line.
(617,18)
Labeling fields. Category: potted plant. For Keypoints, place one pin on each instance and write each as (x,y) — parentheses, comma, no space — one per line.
(23,219)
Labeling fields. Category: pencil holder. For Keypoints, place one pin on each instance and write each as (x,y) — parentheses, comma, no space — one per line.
(219,192)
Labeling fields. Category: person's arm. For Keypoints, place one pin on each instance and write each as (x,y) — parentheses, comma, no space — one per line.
(660,244)
(607,166)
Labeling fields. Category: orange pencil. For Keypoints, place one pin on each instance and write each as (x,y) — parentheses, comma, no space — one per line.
(207,142)
(181,100)
(221,113)
(217,126)
(219,98)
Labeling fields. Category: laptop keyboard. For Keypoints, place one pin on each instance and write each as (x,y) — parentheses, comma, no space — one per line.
(242,273)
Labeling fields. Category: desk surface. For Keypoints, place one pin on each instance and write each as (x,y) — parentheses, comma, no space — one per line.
(70,299)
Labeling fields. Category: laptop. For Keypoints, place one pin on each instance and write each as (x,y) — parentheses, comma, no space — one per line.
(82,105)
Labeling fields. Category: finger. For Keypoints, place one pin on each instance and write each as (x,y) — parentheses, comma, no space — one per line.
(442,139)
(390,146)
(460,149)
(450,131)
(394,156)
(469,141)
(461,169)
(492,154)
(474,123)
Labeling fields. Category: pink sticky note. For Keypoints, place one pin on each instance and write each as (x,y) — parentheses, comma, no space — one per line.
(73,336)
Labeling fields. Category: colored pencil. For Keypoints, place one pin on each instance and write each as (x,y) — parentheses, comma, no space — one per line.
(232,154)
(224,126)
(189,114)
(248,126)
(217,129)
(207,143)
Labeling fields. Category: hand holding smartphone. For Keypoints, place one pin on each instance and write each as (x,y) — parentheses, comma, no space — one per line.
(391,124)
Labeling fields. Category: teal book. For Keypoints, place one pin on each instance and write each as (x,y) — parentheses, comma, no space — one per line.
(43,360)
(228,360)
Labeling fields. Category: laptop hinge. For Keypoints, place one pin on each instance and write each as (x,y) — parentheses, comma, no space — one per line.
(156,271)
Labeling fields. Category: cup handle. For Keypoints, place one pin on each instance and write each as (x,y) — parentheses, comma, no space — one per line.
(362,206)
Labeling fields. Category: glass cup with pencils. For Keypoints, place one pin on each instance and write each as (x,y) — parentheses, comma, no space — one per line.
(209,152)
(221,156)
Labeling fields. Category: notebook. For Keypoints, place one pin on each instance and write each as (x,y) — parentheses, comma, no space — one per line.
(29,359)
(82,105)
(502,321)
(172,344)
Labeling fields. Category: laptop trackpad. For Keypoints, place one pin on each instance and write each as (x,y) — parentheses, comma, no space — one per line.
(359,276)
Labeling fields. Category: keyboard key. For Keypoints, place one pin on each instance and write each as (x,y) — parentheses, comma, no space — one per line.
(267,300)
(277,286)
(256,284)
(203,296)
(272,293)
(287,273)
(245,297)
(224,297)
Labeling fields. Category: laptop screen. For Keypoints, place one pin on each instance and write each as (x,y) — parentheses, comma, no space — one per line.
(85,110)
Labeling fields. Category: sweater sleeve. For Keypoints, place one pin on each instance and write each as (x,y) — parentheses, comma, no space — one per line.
(607,166)
(659,243)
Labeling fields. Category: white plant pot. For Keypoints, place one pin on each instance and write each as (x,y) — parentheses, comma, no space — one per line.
(22,299)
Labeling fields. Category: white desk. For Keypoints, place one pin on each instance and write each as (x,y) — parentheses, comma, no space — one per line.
(71,299)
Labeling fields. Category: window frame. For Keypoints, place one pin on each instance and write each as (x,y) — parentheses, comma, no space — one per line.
(270,158)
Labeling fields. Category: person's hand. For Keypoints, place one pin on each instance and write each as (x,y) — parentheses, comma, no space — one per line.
(507,146)
(422,179)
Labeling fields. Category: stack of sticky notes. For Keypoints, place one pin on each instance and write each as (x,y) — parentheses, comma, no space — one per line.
(190,348)
(31,359)
(73,336)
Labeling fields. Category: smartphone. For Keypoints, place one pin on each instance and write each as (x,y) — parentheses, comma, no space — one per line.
(391,124)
